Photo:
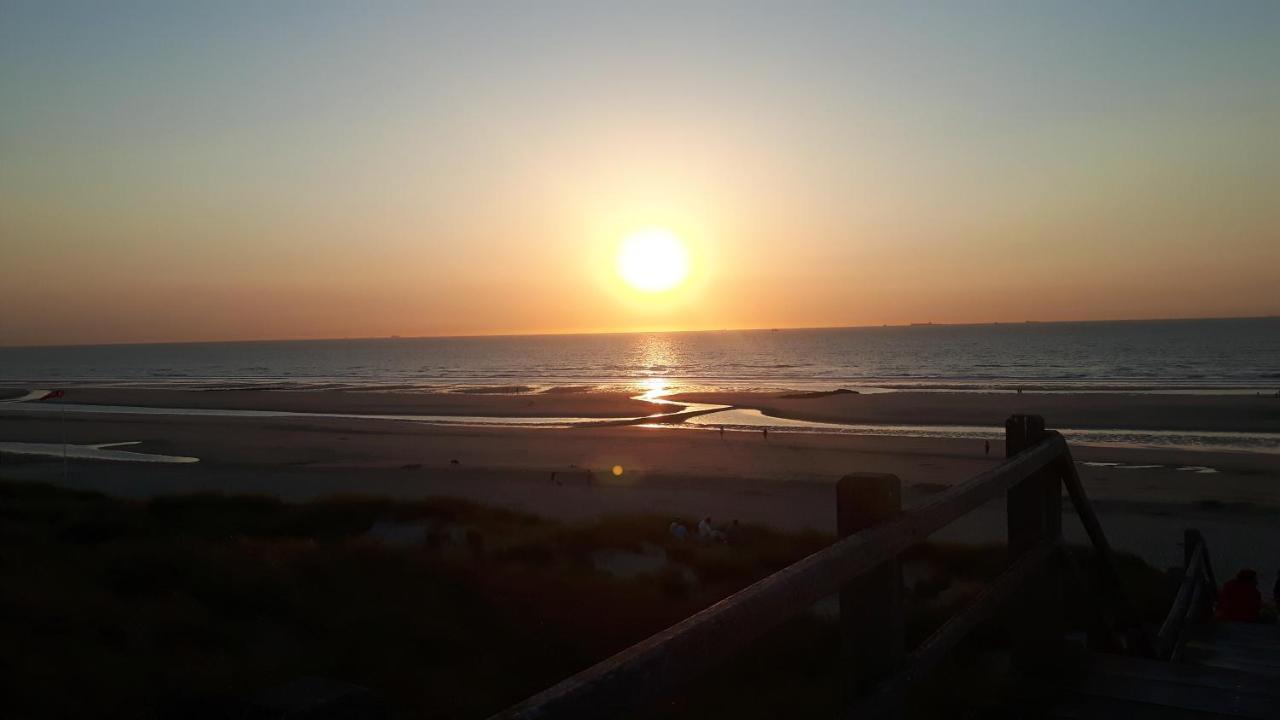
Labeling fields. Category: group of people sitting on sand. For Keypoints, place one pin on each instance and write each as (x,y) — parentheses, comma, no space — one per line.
(1240,599)
(706,531)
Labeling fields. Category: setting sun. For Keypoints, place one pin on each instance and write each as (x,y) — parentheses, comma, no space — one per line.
(653,260)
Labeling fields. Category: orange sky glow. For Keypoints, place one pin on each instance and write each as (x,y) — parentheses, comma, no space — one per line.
(311,171)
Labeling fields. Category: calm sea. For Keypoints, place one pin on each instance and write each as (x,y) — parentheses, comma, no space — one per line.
(1223,355)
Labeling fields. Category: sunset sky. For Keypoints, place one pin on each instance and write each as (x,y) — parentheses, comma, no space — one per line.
(242,170)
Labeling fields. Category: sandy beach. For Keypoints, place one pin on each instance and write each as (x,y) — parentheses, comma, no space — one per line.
(1146,496)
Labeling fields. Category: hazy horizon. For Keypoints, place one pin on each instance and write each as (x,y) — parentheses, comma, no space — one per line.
(194,173)
(657,331)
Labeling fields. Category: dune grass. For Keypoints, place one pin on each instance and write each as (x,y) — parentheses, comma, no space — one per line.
(184,606)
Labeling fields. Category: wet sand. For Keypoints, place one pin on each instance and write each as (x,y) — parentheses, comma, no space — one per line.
(1217,413)
(604,404)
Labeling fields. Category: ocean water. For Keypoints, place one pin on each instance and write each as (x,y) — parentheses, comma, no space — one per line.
(1233,355)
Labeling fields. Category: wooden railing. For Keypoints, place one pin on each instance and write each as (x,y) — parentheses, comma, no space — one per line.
(863,566)
(1195,595)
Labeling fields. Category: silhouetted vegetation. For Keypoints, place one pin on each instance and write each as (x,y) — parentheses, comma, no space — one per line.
(184,606)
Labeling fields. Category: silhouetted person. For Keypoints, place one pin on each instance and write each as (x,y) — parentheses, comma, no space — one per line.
(766,433)
(721,431)
(1240,600)
(986,448)
(707,531)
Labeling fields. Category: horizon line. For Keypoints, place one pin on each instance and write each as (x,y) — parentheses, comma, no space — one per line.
(636,332)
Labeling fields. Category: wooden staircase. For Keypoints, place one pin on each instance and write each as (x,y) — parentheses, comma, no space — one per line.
(1241,647)
(1202,668)
(1136,688)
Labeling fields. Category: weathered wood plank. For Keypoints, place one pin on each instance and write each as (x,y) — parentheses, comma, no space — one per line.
(1191,538)
(1256,634)
(1202,654)
(1034,516)
(1180,695)
(1211,657)
(1090,707)
(1198,675)
(1261,655)
(872,623)
(1193,578)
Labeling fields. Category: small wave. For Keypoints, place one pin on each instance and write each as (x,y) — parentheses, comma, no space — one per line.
(168,373)
(495,390)
(569,389)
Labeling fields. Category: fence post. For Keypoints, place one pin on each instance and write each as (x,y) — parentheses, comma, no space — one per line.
(871,617)
(1190,539)
(1035,516)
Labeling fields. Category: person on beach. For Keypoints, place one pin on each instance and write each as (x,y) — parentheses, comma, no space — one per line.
(766,433)
(722,431)
(708,532)
(986,448)
(1240,600)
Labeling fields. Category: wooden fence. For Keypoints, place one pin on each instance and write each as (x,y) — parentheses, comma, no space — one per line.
(1195,596)
(863,566)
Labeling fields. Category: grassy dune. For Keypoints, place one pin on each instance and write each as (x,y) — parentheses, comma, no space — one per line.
(188,606)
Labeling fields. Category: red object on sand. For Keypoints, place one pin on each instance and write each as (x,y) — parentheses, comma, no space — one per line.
(1240,601)
(52,395)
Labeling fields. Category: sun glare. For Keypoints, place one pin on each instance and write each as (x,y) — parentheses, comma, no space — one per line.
(653,260)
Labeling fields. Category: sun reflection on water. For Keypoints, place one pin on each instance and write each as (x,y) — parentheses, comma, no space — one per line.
(655,357)
(654,388)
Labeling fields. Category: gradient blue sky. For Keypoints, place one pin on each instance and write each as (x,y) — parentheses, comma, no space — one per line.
(235,170)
